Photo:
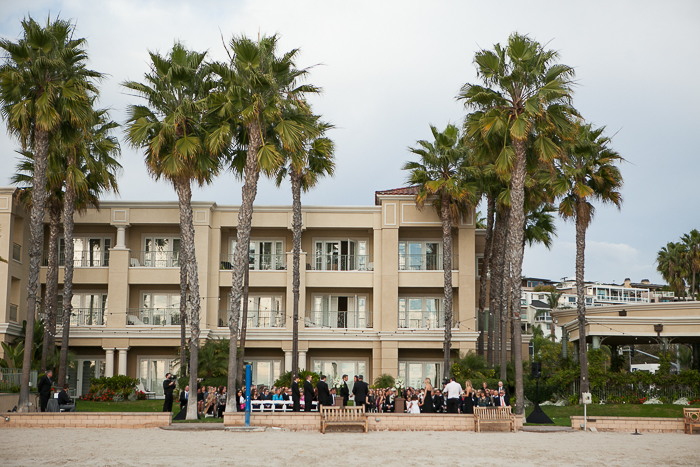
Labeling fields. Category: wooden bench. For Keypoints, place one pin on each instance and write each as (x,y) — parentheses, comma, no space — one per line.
(691,418)
(493,415)
(350,415)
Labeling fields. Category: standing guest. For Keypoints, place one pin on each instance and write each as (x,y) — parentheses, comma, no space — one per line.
(469,398)
(360,390)
(503,399)
(200,400)
(344,391)
(453,390)
(183,398)
(494,398)
(308,394)
(296,395)
(324,395)
(371,401)
(501,386)
(438,402)
(485,387)
(427,404)
(64,400)
(221,402)
(168,388)
(241,400)
(44,388)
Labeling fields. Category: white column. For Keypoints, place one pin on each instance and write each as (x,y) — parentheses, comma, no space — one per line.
(302,360)
(596,342)
(122,361)
(288,360)
(109,363)
(121,238)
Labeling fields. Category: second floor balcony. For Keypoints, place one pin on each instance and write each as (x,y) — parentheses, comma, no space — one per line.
(424,262)
(155,259)
(425,319)
(153,316)
(81,259)
(338,319)
(257,262)
(83,317)
(256,319)
(333,262)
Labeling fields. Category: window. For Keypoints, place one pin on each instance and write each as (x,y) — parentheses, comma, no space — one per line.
(336,368)
(420,256)
(480,266)
(161,252)
(264,372)
(341,255)
(88,309)
(572,299)
(160,308)
(264,311)
(415,372)
(152,373)
(263,255)
(88,251)
(421,312)
(339,311)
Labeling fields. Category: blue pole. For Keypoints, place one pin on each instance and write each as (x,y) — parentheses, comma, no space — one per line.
(248,377)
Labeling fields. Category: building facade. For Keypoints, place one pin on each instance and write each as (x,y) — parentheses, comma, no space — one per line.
(370,299)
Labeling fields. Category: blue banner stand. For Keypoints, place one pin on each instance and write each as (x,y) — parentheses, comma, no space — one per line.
(248,377)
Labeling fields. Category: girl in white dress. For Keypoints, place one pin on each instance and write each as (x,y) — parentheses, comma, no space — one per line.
(413,405)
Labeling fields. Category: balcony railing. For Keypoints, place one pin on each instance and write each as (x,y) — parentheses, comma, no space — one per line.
(153,316)
(81,259)
(17,252)
(259,262)
(342,263)
(13,312)
(257,319)
(425,262)
(155,259)
(425,319)
(83,317)
(338,319)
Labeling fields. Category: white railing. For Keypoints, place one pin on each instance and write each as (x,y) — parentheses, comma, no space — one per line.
(155,259)
(256,319)
(338,319)
(424,319)
(277,406)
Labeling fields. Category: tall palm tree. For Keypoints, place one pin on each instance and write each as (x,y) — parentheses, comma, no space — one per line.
(691,242)
(443,176)
(588,173)
(255,88)
(670,264)
(525,100)
(553,304)
(43,82)
(171,129)
(305,166)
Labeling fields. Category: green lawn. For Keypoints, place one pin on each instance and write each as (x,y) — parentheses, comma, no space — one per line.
(560,415)
(137,406)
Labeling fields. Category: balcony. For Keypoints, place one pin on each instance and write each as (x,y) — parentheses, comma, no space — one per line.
(13,312)
(81,259)
(424,262)
(83,317)
(341,263)
(425,319)
(258,262)
(155,259)
(257,319)
(153,316)
(17,252)
(338,319)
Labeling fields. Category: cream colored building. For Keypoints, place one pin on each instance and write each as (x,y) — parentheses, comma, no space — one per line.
(371,288)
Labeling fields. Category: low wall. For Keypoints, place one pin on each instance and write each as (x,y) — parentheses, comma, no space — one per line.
(629,424)
(377,422)
(86,420)
(9,401)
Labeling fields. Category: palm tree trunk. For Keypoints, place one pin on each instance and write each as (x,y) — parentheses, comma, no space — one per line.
(36,237)
(581,301)
(183,312)
(51,288)
(490,213)
(296,252)
(515,251)
(244,320)
(245,216)
(184,194)
(68,266)
(494,293)
(447,272)
(504,301)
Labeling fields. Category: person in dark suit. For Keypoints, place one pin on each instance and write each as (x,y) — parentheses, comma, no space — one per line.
(64,400)
(503,400)
(184,397)
(324,395)
(168,388)
(344,391)
(308,394)
(296,395)
(44,388)
(360,390)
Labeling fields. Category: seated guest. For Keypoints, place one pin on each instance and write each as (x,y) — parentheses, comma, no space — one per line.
(64,400)
(438,402)
(287,394)
(503,399)
(200,400)
(494,398)
(278,395)
(483,400)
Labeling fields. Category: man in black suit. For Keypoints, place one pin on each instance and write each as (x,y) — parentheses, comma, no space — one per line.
(184,397)
(324,395)
(360,390)
(308,394)
(168,388)
(64,400)
(503,400)
(344,391)
(44,388)
(296,395)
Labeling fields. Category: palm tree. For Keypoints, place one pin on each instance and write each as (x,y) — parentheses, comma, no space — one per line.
(305,166)
(443,178)
(670,264)
(553,304)
(172,132)
(691,242)
(254,90)
(525,100)
(587,173)
(43,82)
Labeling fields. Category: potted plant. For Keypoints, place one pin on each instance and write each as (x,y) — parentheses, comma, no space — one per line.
(399,401)
(337,383)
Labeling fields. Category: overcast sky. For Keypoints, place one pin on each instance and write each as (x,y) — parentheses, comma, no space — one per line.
(389,69)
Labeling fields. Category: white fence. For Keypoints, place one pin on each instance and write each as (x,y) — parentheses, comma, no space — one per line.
(11,378)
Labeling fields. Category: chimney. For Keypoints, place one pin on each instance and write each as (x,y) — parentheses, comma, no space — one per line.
(628,283)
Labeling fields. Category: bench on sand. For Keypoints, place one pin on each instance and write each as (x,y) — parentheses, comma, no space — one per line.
(493,415)
(691,417)
(338,415)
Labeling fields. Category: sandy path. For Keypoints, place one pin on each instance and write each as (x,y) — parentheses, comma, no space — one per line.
(156,447)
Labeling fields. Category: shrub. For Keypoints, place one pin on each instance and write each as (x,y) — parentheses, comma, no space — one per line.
(385,380)
(120,384)
(285,380)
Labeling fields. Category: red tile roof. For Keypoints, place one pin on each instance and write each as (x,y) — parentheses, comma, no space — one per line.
(408,190)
